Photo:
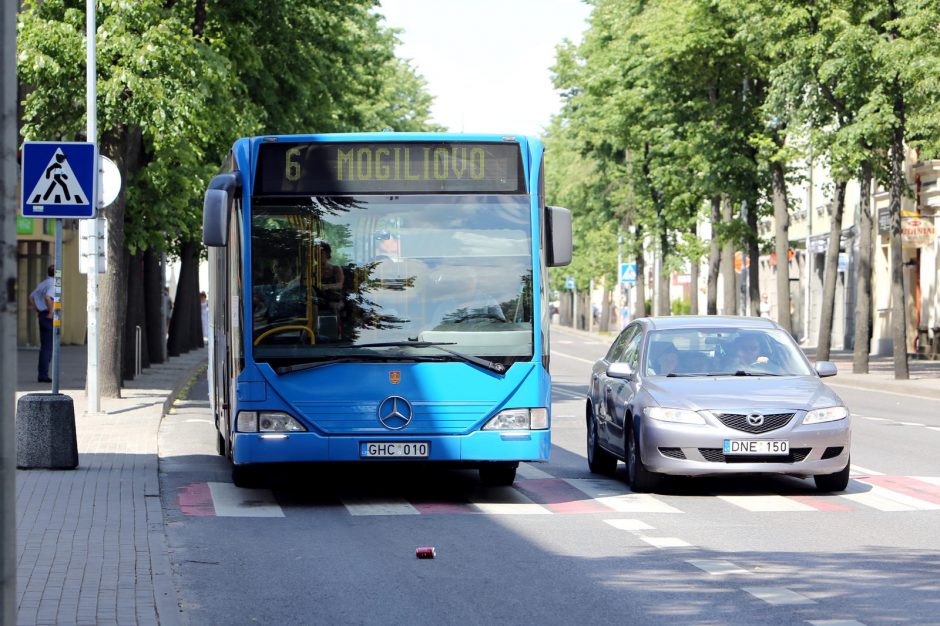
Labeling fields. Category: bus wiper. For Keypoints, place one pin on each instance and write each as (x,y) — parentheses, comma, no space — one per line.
(499,368)
(298,367)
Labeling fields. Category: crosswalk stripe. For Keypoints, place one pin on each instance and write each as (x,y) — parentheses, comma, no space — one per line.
(232,501)
(877,497)
(665,542)
(908,486)
(716,567)
(936,428)
(778,595)
(857,470)
(531,471)
(361,505)
(611,495)
(766,503)
(559,496)
(506,501)
(628,524)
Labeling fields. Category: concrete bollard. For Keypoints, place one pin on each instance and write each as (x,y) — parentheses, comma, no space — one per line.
(45,432)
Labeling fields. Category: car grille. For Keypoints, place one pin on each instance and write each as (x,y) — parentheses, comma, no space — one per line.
(832,453)
(674,453)
(738,421)
(717,455)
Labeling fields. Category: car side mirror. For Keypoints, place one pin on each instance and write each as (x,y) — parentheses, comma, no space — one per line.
(620,370)
(558,231)
(826,368)
(216,208)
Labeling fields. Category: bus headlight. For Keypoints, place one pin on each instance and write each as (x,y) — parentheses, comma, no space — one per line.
(267,422)
(519,419)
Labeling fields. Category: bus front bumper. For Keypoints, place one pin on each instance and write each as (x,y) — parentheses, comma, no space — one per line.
(529,445)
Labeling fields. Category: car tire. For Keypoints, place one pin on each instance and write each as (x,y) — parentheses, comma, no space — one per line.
(833,482)
(639,478)
(498,474)
(599,460)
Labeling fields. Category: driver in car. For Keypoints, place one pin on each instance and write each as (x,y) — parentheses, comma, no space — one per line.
(747,352)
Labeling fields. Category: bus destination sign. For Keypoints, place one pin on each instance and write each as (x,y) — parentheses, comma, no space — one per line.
(387,167)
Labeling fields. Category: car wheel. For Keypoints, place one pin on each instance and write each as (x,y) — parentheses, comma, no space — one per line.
(833,482)
(599,460)
(639,478)
(498,474)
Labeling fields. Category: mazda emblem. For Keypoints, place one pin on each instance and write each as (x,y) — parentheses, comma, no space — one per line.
(755,419)
(395,413)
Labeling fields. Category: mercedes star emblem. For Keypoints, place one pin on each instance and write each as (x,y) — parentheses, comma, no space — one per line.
(395,413)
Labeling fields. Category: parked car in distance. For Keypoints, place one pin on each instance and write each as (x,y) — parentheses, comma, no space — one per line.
(707,395)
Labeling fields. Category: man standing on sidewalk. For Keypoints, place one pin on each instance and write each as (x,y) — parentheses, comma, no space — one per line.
(42,299)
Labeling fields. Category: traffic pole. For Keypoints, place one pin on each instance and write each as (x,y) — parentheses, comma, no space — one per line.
(8,202)
(90,227)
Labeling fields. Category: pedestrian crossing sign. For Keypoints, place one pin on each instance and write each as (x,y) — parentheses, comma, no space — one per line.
(59,179)
(627,273)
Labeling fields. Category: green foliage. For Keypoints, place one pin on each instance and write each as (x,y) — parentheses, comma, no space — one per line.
(188,89)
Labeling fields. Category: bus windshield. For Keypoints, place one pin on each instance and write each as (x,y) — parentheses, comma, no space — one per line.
(333,275)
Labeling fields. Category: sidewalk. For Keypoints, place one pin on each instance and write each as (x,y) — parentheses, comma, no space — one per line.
(924,374)
(91,546)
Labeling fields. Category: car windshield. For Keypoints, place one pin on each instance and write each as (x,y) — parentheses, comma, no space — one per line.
(334,276)
(723,352)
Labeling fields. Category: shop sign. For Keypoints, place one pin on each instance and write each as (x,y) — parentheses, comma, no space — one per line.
(917,233)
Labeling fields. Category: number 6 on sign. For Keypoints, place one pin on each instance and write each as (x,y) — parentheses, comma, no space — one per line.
(292,170)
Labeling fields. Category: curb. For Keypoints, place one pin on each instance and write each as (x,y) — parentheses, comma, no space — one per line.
(166,598)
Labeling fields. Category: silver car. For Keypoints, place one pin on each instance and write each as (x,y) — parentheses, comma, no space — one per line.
(696,396)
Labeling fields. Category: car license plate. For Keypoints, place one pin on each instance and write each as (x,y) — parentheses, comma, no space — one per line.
(756,446)
(394,449)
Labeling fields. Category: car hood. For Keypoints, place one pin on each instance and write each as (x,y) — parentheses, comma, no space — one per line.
(725,393)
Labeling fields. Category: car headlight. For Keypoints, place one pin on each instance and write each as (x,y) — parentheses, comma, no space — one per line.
(267,422)
(678,416)
(519,419)
(830,414)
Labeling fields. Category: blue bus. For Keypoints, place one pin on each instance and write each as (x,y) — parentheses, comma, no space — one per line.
(382,297)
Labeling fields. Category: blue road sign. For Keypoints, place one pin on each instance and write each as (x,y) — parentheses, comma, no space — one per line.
(59,179)
(569,282)
(628,273)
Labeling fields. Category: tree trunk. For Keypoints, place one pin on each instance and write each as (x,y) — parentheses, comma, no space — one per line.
(782,245)
(693,279)
(181,338)
(640,283)
(729,294)
(125,146)
(714,259)
(605,311)
(863,313)
(898,312)
(153,308)
(831,273)
(753,254)
(663,280)
(135,317)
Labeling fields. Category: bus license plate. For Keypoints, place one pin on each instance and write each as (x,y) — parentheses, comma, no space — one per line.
(395,449)
(756,446)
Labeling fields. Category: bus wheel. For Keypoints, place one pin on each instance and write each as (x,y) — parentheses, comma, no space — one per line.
(498,474)
(245,476)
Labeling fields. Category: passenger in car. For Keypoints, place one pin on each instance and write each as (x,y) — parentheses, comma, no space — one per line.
(664,357)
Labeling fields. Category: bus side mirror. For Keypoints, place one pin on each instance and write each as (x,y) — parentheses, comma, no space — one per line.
(217,207)
(559,236)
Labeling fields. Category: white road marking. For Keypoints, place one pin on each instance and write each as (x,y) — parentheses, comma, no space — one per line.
(531,471)
(232,501)
(835,622)
(716,567)
(572,357)
(198,421)
(858,470)
(933,480)
(628,524)
(570,394)
(766,503)
(884,499)
(611,495)
(875,419)
(506,501)
(778,595)
(910,424)
(379,506)
(936,428)
(665,542)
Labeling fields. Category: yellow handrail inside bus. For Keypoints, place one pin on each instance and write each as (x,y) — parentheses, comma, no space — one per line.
(278,329)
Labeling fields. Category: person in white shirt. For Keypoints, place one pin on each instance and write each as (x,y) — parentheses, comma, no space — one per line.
(42,299)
